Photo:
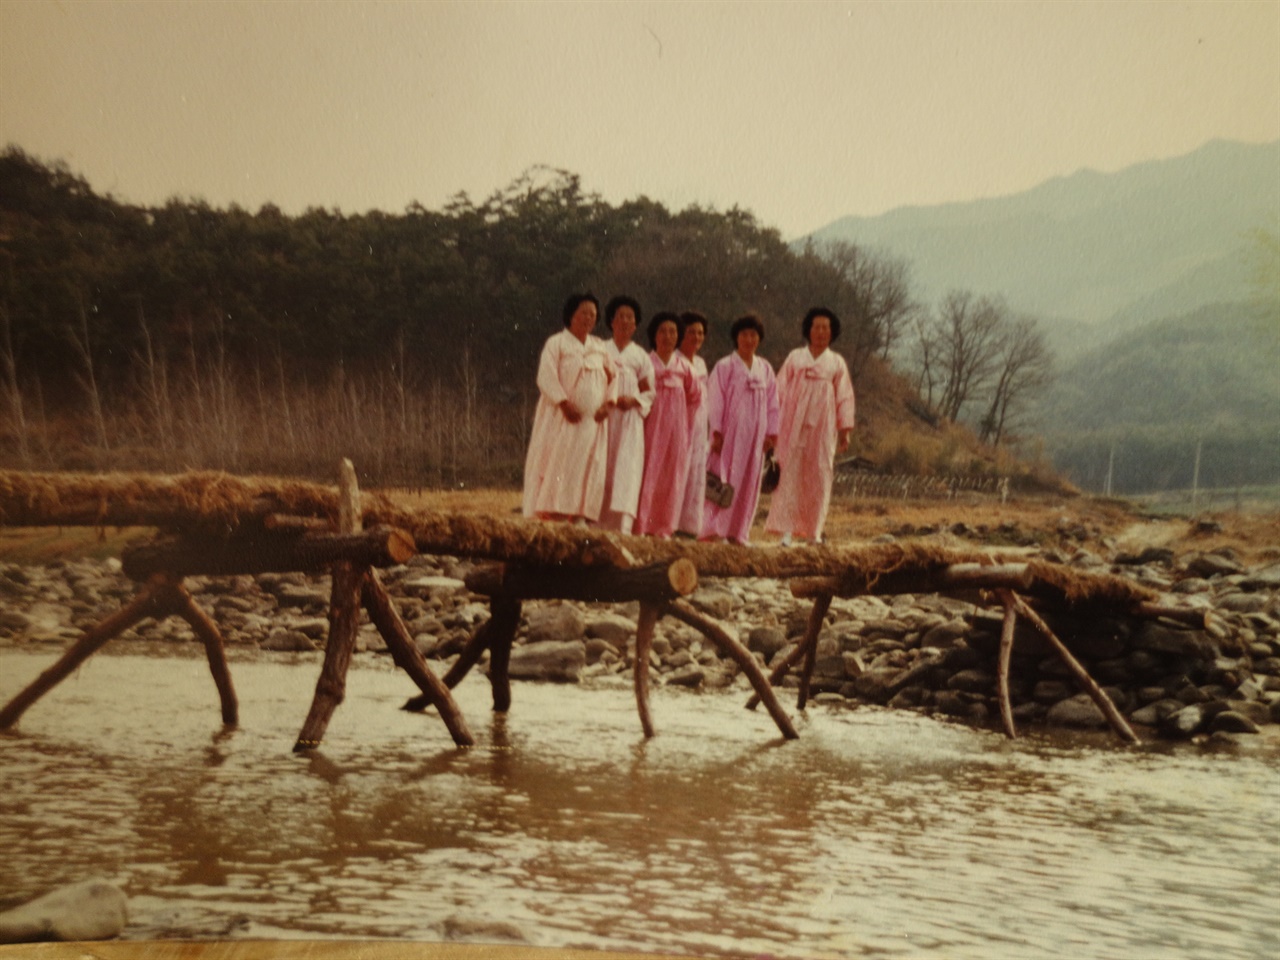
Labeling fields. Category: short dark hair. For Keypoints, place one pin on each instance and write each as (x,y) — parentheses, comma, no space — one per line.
(666,316)
(749,322)
(616,304)
(576,300)
(689,318)
(814,313)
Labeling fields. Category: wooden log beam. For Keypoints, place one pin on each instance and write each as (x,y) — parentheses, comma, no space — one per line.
(1099,696)
(406,655)
(729,644)
(655,583)
(250,552)
(344,621)
(147,602)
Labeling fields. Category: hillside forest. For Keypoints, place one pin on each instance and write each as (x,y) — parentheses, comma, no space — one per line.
(188,337)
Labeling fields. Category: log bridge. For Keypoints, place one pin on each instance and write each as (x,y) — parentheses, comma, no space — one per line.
(216,524)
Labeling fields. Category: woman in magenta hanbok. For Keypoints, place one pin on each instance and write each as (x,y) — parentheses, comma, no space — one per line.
(666,431)
(564,471)
(695,334)
(817,420)
(625,465)
(742,412)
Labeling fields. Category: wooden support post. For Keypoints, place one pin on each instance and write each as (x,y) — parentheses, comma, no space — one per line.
(728,644)
(344,620)
(504,621)
(645,623)
(146,603)
(262,552)
(1007,630)
(407,656)
(656,582)
(1114,717)
(500,643)
(817,615)
(180,602)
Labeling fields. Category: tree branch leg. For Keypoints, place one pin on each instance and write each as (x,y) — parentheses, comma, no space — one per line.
(344,623)
(1006,657)
(500,641)
(408,658)
(215,649)
(727,643)
(145,603)
(645,623)
(1114,717)
(505,617)
(817,615)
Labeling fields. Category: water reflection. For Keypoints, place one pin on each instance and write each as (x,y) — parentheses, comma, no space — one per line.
(875,834)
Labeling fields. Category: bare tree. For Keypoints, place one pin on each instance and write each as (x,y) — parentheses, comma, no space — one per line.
(81,343)
(155,384)
(881,295)
(1025,366)
(969,338)
(12,389)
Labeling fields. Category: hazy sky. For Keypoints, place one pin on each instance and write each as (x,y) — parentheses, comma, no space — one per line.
(800,112)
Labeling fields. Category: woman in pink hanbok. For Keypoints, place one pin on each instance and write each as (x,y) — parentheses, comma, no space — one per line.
(666,431)
(742,412)
(565,468)
(625,465)
(695,334)
(817,420)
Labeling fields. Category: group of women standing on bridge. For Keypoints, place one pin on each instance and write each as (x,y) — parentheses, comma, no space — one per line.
(627,440)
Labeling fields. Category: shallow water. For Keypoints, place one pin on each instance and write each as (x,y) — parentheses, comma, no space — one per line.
(877,834)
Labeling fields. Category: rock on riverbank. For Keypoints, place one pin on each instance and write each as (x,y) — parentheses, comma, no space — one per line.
(927,653)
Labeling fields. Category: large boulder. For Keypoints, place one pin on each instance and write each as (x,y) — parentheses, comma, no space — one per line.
(91,910)
(561,622)
(555,661)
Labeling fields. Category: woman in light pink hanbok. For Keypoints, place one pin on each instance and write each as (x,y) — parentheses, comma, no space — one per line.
(625,466)
(695,491)
(565,468)
(817,420)
(666,431)
(742,411)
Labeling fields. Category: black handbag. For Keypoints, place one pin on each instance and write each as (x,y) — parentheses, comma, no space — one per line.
(718,491)
(771,474)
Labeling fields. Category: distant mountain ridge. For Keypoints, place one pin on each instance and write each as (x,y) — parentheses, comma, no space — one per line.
(1089,246)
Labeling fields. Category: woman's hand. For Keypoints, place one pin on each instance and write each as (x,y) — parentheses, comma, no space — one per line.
(603,413)
(717,442)
(842,444)
(571,413)
(770,442)
(628,403)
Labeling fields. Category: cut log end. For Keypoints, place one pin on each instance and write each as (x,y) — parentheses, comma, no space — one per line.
(683,576)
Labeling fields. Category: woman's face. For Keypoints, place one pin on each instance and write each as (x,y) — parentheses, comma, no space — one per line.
(748,342)
(694,335)
(820,333)
(665,338)
(624,324)
(583,320)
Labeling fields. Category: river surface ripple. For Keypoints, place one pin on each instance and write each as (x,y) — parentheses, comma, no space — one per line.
(877,834)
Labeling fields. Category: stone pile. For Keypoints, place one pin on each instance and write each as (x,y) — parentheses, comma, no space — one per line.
(928,653)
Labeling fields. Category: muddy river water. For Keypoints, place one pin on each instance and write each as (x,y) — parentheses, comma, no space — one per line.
(876,834)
